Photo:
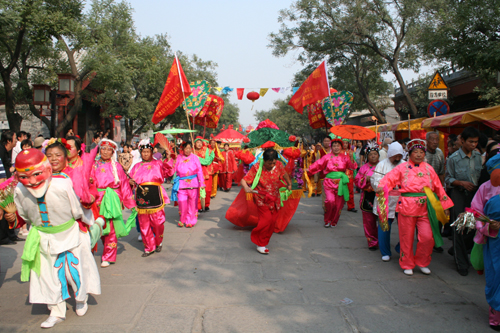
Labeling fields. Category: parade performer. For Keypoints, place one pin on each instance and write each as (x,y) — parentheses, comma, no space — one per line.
(346,150)
(423,204)
(113,190)
(206,157)
(319,152)
(362,181)
(187,185)
(333,166)
(487,202)
(265,183)
(150,196)
(216,165)
(56,254)
(394,158)
(228,168)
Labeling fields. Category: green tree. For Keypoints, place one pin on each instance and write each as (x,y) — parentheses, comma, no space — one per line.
(386,29)
(26,27)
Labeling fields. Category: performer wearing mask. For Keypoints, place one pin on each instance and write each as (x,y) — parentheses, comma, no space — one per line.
(362,181)
(113,189)
(151,198)
(333,166)
(188,184)
(423,201)
(56,254)
(394,158)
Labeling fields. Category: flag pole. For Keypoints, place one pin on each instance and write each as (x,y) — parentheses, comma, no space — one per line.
(329,94)
(184,97)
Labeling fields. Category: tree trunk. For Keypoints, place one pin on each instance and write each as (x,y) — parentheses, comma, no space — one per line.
(77,105)
(37,114)
(413,108)
(371,106)
(15,119)
(129,130)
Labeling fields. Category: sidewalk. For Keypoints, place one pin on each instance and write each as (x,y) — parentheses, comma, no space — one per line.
(211,279)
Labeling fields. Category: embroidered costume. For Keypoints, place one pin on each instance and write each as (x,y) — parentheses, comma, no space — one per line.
(228,168)
(366,203)
(206,157)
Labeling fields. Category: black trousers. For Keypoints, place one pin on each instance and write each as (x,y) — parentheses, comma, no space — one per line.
(5,232)
(462,243)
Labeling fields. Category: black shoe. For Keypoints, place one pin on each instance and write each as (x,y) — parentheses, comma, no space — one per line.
(354,210)
(7,241)
(158,248)
(451,251)
(147,254)
(495,327)
(200,210)
(207,209)
(438,249)
(373,248)
(313,195)
(17,239)
(463,271)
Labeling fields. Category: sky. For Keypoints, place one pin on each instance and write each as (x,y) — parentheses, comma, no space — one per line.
(232,33)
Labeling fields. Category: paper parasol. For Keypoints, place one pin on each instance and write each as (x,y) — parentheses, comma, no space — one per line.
(353,132)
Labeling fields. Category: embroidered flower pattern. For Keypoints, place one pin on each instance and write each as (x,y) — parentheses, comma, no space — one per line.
(112,245)
(420,174)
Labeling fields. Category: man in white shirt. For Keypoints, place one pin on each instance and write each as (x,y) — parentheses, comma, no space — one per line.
(394,158)
(21,135)
(383,151)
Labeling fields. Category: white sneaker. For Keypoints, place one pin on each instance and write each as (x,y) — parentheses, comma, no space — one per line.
(408,271)
(328,225)
(262,250)
(51,322)
(425,270)
(105,264)
(81,308)
(139,238)
(386,258)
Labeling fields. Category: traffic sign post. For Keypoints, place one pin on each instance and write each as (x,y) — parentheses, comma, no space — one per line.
(438,89)
(437,108)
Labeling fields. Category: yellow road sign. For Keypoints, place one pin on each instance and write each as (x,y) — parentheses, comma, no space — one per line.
(437,83)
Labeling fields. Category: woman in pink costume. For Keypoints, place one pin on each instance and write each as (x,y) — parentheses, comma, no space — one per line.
(333,165)
(418,207)
(362,181)
(113,187)
(187,185)
(151,197)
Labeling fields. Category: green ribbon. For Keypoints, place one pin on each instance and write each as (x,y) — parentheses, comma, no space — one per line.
(431,213)
(31,252)
(257,176)
(111,209)
(203,193)
(284,195)
(208,159)
(344,180)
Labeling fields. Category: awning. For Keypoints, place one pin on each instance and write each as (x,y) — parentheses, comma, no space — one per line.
(488,116)
(399,126)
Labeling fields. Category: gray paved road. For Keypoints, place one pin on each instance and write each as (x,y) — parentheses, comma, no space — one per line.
(211,279)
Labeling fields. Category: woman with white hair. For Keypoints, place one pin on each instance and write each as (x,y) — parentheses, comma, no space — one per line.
(113,189)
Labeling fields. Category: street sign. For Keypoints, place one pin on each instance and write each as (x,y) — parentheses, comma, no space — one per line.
(437,83)
(438,94)
(438,108)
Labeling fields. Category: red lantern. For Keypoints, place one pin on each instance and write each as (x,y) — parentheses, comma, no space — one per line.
(118,117)
(253,96)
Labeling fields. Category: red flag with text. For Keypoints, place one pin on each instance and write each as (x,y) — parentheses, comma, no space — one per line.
(176,90)
(314,88)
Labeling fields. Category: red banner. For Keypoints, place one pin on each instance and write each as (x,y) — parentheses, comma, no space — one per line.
(209,116)
(316,117)
(314,88)
(239,92)
(173,94)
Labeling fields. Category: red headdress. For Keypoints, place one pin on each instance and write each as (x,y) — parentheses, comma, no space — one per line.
(416,143)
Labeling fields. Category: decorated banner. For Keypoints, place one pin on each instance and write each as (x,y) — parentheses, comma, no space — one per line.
(314,88)
(210,113)
(199,94)
(316,116)
(174,93)
(341,101)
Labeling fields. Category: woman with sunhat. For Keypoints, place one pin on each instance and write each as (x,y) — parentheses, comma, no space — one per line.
(148,176)
(423,204)
(487,202)
(334,165)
